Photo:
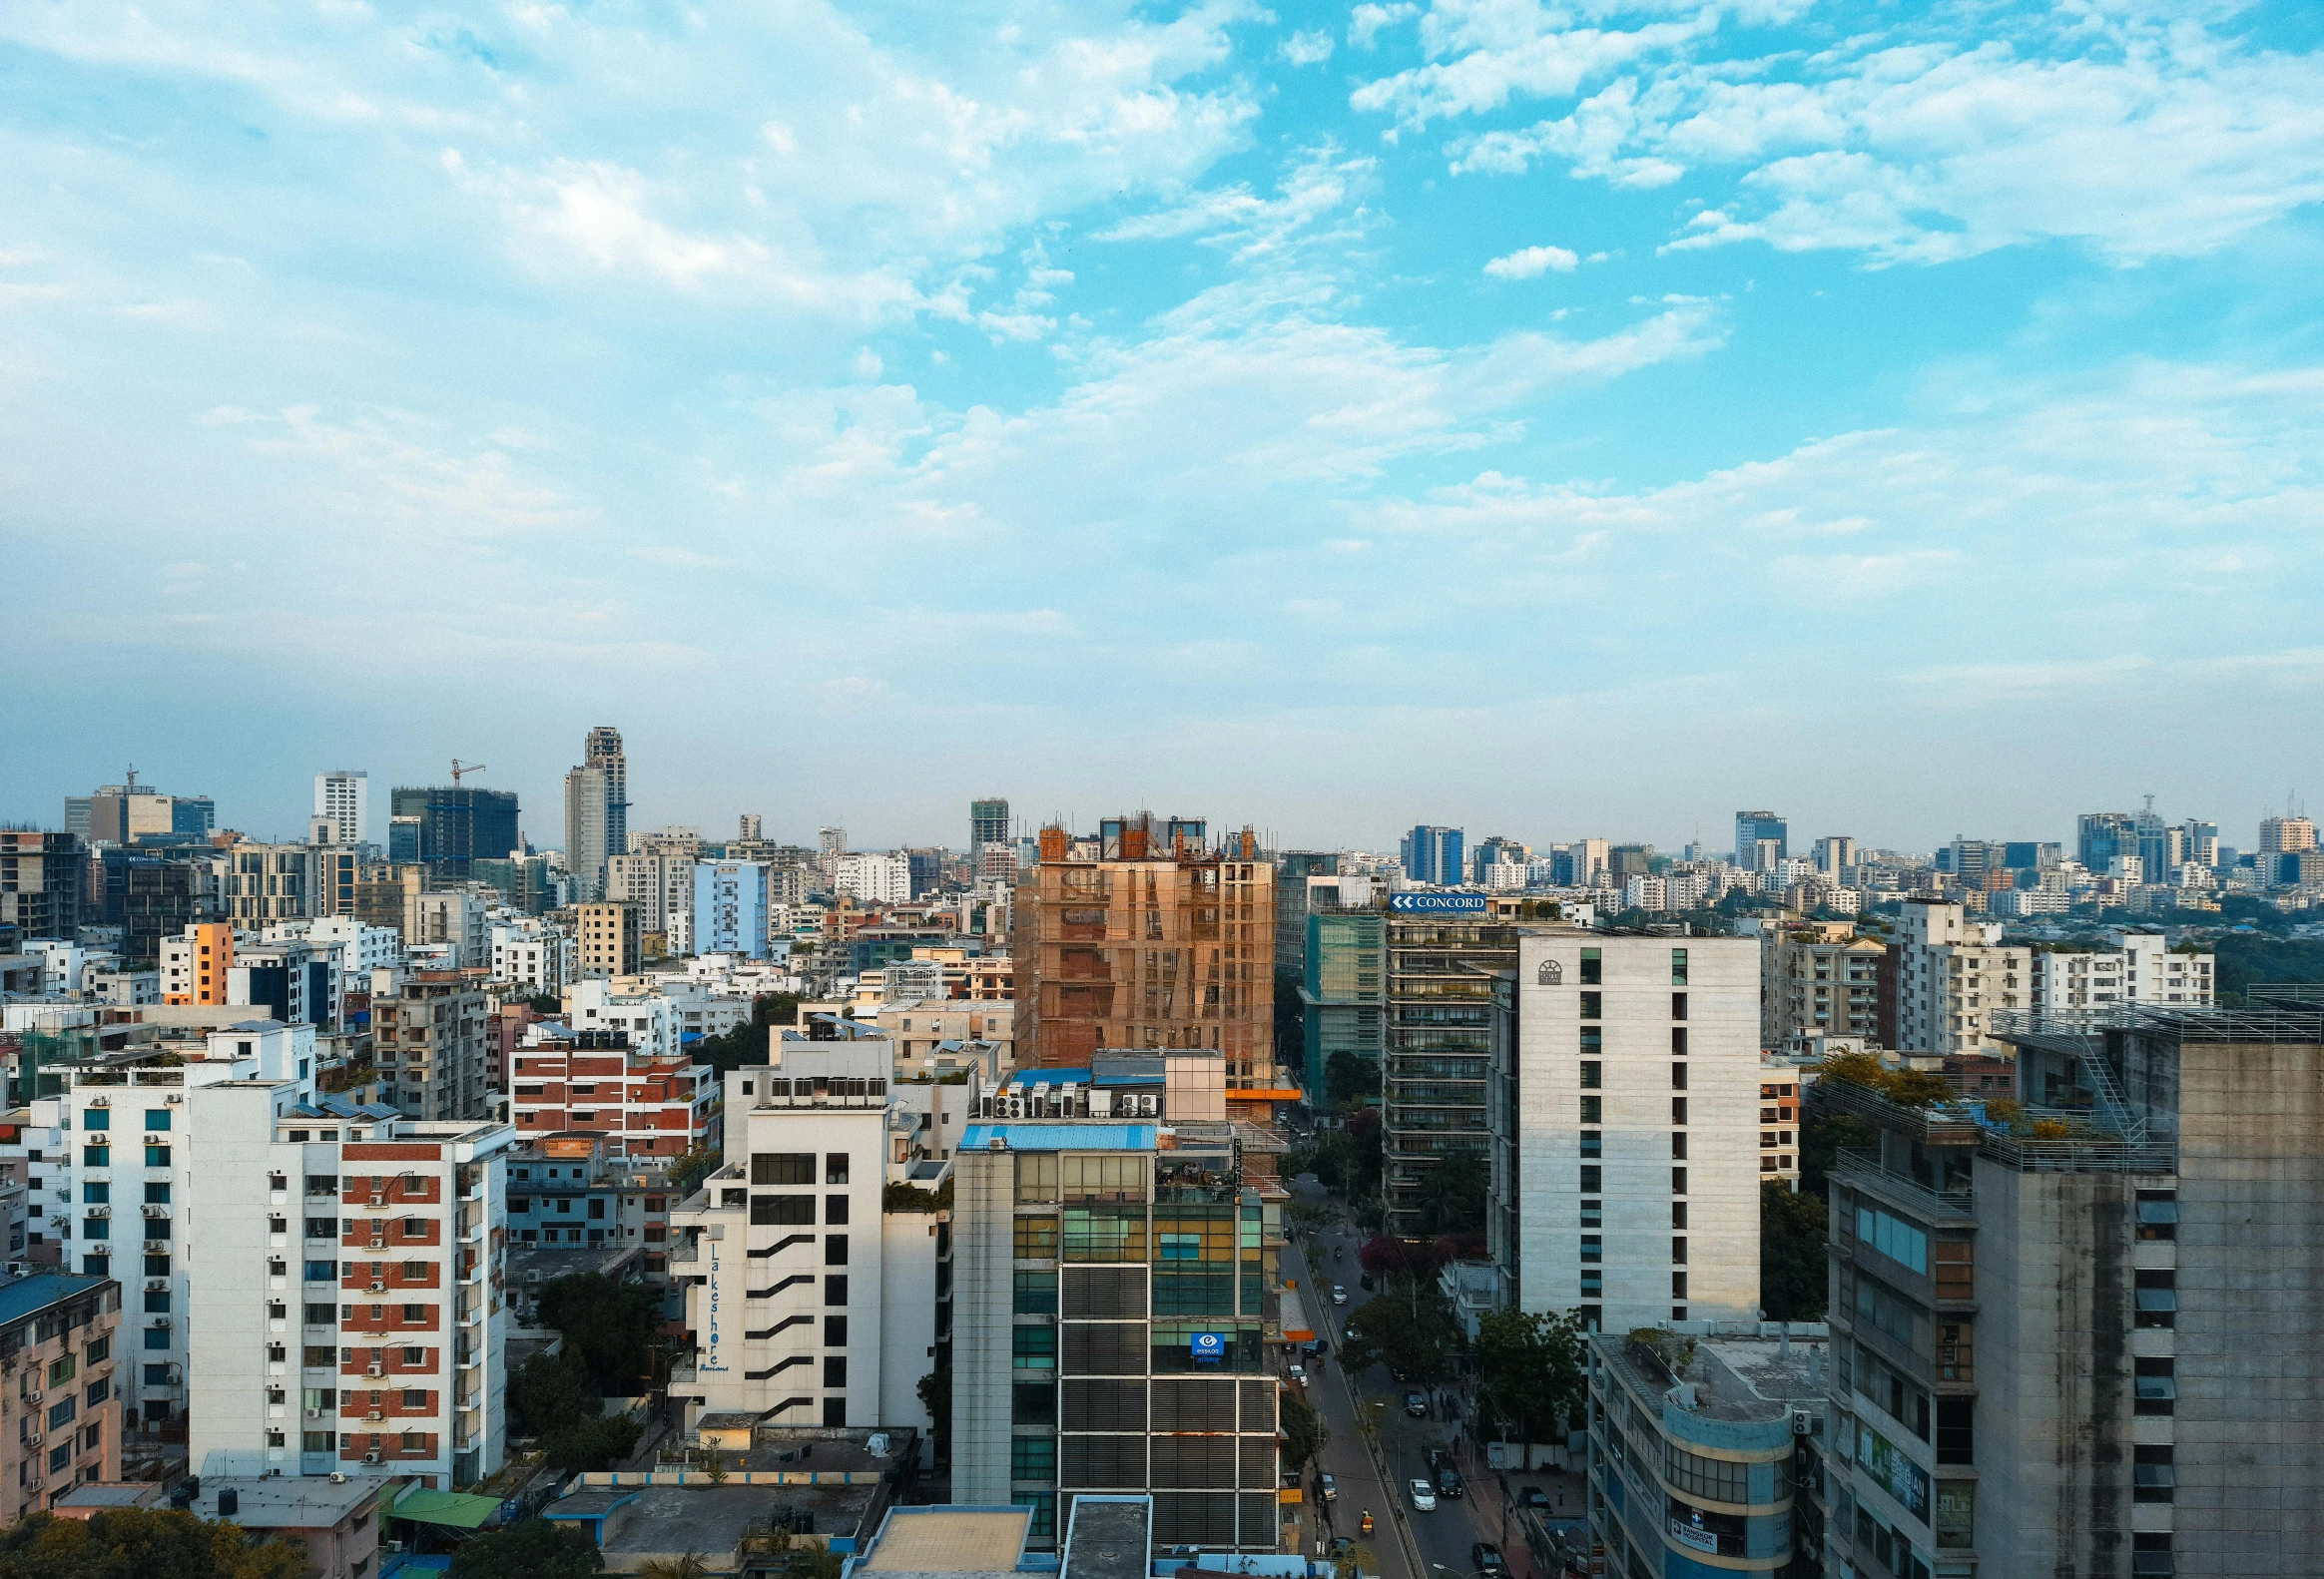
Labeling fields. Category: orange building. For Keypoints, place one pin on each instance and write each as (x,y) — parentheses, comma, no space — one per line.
(60,1411)
(195,966)
(1147,940)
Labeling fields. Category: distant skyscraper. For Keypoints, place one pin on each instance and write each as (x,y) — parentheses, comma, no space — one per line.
(987,824)
(1751,828)
(123,813)
(749,828)
(1434,854)
(343,799)
(602,751)
(2102,836)
(449,826)
(587,845)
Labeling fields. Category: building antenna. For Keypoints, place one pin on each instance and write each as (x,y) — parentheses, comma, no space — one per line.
(132,778)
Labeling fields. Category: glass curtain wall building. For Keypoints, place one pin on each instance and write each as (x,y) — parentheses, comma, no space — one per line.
(1441,974)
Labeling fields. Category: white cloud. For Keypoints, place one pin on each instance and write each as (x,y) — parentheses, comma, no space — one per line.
(1366,21)
(1530,261)
(1309,48)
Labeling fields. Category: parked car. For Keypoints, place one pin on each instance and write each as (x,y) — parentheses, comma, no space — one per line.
(1338,1294)
(1533,1497)
(1449,1483)
(1299,1375)
(1327,1487)
(1485,1558)
(1415,1404)
(1424,1499)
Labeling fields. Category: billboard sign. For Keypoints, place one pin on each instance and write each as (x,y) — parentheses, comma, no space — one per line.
(1438,903)
(1207,1346)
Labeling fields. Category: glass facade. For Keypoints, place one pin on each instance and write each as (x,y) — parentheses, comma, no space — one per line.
(1441,976)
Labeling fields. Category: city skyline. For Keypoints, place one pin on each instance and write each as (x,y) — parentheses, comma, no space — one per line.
(1562,402)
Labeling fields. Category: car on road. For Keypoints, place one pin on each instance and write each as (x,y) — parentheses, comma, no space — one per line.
(1485,1558)
(1299,1375)
(1326,1488)
(1533,1497)
(1424,1499)
(1338,1294)
(1415,1404)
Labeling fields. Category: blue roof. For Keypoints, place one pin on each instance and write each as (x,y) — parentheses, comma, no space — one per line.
(1061,1136)
(27,1295)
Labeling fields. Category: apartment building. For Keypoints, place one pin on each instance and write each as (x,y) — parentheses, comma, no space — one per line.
(643,1104)
(729,908)
(1704,1445)
(809,1302)
(41,876)
(1818,978)
(2086,985)
(1950,974)
(345,1305)
(1442,965)
(196,963)
(576,1190)
(362,948)
(259,883)
(2031,1319)
(659,883)
(1110,1328)
(1780,1121)
(1149,939)
(1625,1133)
(1343,991)
(60,1405)
(430,1046)
(535,955)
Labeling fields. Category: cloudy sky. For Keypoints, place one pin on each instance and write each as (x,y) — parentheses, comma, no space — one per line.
(1552,419)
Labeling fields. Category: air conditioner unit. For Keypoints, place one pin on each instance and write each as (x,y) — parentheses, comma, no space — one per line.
(376,1415)
(103,1211)
(314,1415)
(177,1101)
(377,1372)
(32,1440)
(377,1287)
(372,1459)
(156,1140)
(1803,1422)
(100,1102)
(156,1210)
(33,1396)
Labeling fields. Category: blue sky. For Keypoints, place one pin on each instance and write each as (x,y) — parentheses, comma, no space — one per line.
(1555,419)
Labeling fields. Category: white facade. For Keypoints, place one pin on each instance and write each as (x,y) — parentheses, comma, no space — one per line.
(461,921)
(536,954)
(344,801)
(345,1311)
(875,879)
(362,948)
(1644,892)
(1625,1110)
(1950,974)
(2157,975)
(809,1304)
(661,885)
(643,1017)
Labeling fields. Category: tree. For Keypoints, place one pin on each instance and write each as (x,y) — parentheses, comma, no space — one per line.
(530,1550)
(1349,1077)
(1452,1194)
(611,1325)
(1904,1087)
(1529,1371)
(747,1043)
(900,1196)
(1408,1258)
(1413,1332)
(590,1445)
(690,1167)
(148,1544)
(688,1566)
(550,1393)
(1792,1252)
(1303,1433)
(935,1396)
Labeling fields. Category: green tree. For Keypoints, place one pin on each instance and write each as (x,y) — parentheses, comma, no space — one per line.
(1452,1194)
(143,1543)
(611,1325)
(1350,1078)
(549,1392)
(529,1549)
(935,1396)
(1792,1252)
(1411,1330)
(1904,1087)
(1304,1433)
(747,1043)
(1529,1370)
(687,1566)
(590,1445)
(690,1167)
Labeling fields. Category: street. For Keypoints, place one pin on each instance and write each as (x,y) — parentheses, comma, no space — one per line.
(1443,1537)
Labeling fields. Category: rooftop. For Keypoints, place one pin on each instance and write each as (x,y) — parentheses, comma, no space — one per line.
(304,1502)
(1738,1377)
(1088,1135)
(21,1297)
(950,1540)
(1109,1538)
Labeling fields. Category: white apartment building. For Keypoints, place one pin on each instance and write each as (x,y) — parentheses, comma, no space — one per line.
(2082,986)
(1952,973)
(536,954)
(457,918)
(646,1018)
(362,948)
(1645,894)
(2158,974)
(342,800)
(660,884)
(809,1304)
(874,879)
(345,1269)
(111,1172)
(1623,1105)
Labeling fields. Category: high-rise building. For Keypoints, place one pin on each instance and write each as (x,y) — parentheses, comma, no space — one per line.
(2285,835)
(588,835)
(874,879)
(1110,1331)
(602,751)
(1952,974)
(197,963)
(2099,837)
(127,813)
(1834,853)
(1304,878)
(450,825)
(610,933)
(2202,841)
(1441,974)
(41,875)
(392,1322)
(259,884)
(749,828)
(729,910)
(1343,995)
(1149,940)
(1751,828)
(1435,854)
(1625,1127)
(431,1048)
(987,824)
(343,799)
(2030,1319)
(1818,978)
(644,1101)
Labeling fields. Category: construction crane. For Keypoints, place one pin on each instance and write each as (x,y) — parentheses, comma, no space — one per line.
(458,767)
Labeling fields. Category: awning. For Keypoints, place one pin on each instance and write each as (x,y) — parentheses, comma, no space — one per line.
(454,1509)
(1295,1327)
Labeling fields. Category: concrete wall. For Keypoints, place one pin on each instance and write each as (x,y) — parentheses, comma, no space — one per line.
(983,1311)
(908,1315)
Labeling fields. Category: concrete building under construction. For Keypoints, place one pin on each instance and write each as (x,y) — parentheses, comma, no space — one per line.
(1146,937)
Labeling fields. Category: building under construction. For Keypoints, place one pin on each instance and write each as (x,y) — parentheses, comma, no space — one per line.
(1147,937)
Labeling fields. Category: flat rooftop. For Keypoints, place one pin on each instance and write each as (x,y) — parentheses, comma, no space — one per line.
(305,1502)
(1110,1538)
(944,1540)
(1760,1377)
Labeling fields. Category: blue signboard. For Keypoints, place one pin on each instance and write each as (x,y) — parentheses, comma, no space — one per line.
(1438,903)
(1208,1345)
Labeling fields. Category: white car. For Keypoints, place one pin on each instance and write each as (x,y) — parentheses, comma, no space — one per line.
(1423,1497)
(1339,1294)
(1299,1375)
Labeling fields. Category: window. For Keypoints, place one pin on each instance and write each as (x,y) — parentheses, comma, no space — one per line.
(2158,1213)
(156,1265)
(1678,1214)
(321,1315)
(1033,1348)
(157,1192)
(414,1313)
(1592,1143)
(1900,1240)
(61,1370)
(157,1119)
(835,1209)
(415,1357)
(2156,1298)
(1678,1180)
(1678,1041)
(2150,1555)
(1678,967)
(1593,1005)
(1592,966)
(415,1397)
(98,1351)
(834,1249)
(1592,1283)
(2152,1475)
(783,1168)
(1678,1109)
(1711,1479)
(834,1168)
(157,1156)
(1592,1246)
(415,1442)
(1678,1285)
(1592,1074)
(97,1119)
(97,1156)
(835,1332)
(1678,1005)
(2158,1387)
(1678,1144)
(1032,1458)
(1956,1433)
(1593,1110)
(1678,1077)
(836,1288)
(96,1193)
(781,1209)
(1036,1294)
(1593,1214)
(1678,1250)
(1034,1403)
(1036,1178)
(1592,1178)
